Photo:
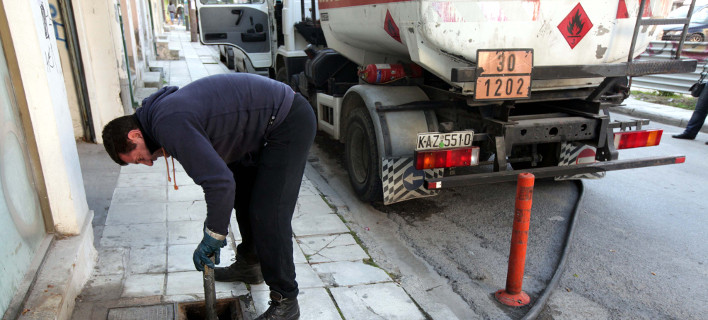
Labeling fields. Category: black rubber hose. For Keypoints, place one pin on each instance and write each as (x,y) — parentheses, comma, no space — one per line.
(543,298)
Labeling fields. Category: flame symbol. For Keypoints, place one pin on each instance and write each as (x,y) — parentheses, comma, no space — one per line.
(576,24)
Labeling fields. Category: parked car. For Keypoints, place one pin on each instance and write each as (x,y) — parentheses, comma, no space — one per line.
(697,29)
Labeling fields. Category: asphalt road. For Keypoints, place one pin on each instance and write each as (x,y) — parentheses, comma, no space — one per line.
(639,250)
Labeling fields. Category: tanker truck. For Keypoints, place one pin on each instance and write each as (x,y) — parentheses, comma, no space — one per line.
(427,95)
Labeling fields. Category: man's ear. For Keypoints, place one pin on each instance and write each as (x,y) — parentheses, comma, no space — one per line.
(135,134)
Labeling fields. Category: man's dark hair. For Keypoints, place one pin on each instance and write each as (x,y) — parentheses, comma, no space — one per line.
(115,137)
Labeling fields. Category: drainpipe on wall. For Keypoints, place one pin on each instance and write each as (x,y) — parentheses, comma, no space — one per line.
(133,104)
(77,68)
(152,25)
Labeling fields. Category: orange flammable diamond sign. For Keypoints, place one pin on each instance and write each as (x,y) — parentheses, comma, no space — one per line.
(575,26)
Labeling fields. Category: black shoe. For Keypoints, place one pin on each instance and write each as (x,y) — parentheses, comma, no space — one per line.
(240,271)
(684,135)
(281,308)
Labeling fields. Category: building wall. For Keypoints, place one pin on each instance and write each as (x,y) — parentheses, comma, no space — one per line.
(45,97)
(63,48)
(21,220)
(101,45)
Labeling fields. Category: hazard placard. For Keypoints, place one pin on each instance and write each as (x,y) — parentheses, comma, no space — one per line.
(575,26)
(504,74)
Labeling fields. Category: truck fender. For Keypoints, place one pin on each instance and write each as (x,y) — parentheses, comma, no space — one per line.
(396,132)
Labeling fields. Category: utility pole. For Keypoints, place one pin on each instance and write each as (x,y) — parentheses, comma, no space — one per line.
(192,20)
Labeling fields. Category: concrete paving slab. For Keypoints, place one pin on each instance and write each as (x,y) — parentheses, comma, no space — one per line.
(347,273)
(315,304)
(141,93)
(151,179)
(136,213)
(298,255)
(184,232)
(177,166)
(100,288)
(187,211)
(183,179)
(148,259)
(185,193)
(184,283)
(213,69)
(208,59)
(233,227)
(318,224)
(192,283)
(152,79)
(139,194)
(228,256)
(157,166)
(111,261)
(143,285)
(306,276)
(309,205)
(135,235)
(308,189)
(332,248)
(376,301)
(179,257)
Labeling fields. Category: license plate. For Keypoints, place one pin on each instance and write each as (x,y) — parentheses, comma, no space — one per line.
(504,74)
(436,140)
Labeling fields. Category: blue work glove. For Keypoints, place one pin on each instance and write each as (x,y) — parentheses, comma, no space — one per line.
(207,248)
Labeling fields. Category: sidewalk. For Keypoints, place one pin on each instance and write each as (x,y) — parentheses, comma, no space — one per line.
(145,264)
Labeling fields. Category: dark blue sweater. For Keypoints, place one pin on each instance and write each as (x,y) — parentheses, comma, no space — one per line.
(210,123)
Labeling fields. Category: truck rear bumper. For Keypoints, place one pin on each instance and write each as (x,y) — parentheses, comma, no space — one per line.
(634,69)
(548,172)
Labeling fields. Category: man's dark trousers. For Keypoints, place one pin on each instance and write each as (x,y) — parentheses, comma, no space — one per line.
(699,115)
(266,195)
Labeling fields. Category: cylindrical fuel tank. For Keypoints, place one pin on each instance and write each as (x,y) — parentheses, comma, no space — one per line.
(561,32)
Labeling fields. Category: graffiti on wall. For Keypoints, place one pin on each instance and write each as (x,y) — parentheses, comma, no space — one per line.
(58,25)
(50,59)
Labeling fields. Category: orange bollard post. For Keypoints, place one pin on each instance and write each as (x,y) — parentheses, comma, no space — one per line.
(512,295)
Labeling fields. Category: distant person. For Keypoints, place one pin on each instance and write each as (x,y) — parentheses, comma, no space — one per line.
(697,119)
(180,14)
(171,8)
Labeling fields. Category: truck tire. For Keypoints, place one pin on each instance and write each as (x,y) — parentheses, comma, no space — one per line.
(362,156)
(282,75)
(229,57)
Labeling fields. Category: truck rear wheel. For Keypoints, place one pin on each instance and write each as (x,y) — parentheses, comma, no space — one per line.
(281,75)
(362,156)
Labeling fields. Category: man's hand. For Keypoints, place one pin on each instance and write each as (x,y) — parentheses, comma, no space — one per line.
(208,247)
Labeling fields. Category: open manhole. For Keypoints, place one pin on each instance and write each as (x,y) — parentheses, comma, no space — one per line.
(226,309)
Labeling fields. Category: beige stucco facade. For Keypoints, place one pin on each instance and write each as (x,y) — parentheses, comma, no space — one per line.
(47,96)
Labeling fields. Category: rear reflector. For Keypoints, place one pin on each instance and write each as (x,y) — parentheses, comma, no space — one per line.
(636,139)
(680,159)
(433,185)
(430,159)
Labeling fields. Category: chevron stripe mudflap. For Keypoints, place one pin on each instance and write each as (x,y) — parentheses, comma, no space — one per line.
(402,181)
(573,153)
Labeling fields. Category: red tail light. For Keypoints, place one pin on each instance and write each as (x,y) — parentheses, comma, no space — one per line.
(636,139)
(430,159)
